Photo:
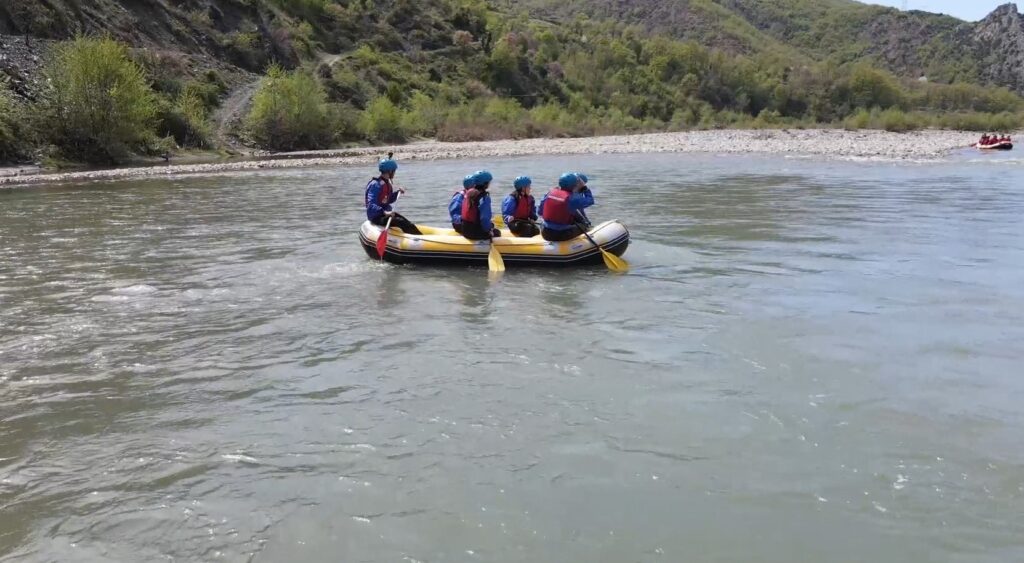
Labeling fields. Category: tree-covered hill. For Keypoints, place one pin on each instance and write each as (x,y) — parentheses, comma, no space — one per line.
(341,71)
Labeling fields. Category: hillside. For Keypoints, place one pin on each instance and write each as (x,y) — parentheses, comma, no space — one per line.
(910,44)
(388,70)
(246,34)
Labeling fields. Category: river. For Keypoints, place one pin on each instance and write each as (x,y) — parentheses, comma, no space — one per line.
(809,360)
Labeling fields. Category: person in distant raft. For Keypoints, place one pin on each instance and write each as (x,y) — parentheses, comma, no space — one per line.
(380,194)
(455,205)
(562,206)
(476,209)
(520,210)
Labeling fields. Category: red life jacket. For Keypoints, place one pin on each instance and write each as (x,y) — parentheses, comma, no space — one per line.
(556,207)
(524,207)
(471,206)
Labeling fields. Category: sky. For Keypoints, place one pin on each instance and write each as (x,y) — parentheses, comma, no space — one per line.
(971,10)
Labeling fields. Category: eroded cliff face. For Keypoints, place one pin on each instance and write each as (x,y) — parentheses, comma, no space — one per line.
(999,42)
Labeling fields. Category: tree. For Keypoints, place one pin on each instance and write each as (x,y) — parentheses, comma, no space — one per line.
(290,112)
(100,106)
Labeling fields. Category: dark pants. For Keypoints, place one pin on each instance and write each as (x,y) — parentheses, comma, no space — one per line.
(555,236)
(474,231)
(457,227)
(523,228)
(398,221)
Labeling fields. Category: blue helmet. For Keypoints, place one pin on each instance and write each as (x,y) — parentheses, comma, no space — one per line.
(469,181)
(568,180)
(387,165)
(482,177)
(582,177)
(521,182)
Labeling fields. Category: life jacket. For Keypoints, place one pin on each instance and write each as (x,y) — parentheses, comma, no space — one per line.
(556,207)
(471,206)
(524,207)
(385,191)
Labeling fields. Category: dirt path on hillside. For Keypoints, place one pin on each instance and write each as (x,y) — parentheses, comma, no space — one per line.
(227,119)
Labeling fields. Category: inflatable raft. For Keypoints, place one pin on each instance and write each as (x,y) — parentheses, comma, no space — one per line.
(445,246)
(1000,146)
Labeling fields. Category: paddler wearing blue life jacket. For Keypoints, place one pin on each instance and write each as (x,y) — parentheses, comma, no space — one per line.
(476,209)
(455,205)
(562,208)
(381,193)
(520,210)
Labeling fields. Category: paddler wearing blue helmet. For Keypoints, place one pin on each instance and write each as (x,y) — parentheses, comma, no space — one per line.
(476,209)
(455,205)
(584,190)
(381,193)
(520,210)
(562,208)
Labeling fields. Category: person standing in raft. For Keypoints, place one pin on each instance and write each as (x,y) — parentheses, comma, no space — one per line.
(476,209)
(520,210)
(455,205)
(380,194)
(562,208)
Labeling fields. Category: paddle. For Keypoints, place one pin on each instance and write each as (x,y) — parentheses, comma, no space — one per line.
(382,239)
(613,262)
(495,263)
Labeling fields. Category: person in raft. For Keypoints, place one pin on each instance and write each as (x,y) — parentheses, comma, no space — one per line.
(476,209)
(380,194)
(584,190)
(520,210)
(561,208)
(455,205)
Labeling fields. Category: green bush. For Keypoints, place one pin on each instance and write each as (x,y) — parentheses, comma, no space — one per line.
(383,121)
(16,137)
(246,50)
(290,112)
(860,119)
(193,109)
(899,121)
(973,121)
(99,106)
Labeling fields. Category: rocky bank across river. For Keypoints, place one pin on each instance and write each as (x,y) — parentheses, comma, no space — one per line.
(829,143)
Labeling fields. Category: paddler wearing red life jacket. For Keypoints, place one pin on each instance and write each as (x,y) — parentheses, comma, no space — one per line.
(562,208)
(476,209)
(380,194)
(984,139)
(520,209)
(455,205)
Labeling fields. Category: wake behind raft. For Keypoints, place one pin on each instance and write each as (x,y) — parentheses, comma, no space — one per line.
(446,247)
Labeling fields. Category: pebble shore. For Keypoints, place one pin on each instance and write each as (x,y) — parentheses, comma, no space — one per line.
(828,143)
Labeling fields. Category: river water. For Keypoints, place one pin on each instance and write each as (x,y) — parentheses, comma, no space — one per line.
(808,361)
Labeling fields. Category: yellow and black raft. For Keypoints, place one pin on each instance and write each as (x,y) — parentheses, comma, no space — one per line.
(447,247)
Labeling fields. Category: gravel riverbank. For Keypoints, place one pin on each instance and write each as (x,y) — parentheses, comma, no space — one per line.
(831,143)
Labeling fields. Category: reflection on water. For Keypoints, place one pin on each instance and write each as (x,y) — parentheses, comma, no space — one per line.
(808,361)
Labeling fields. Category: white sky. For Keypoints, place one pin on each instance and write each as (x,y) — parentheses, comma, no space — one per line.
(971,10)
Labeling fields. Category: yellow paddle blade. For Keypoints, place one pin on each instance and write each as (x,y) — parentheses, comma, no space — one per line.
(614,263)
(494,261)
(499,221)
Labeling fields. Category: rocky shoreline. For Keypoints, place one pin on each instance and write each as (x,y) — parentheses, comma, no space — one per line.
(828,143)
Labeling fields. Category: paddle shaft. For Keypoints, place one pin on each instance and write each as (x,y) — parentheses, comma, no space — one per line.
(382,240)
(388,224)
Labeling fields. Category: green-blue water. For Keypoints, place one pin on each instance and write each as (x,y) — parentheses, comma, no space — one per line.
(809,361)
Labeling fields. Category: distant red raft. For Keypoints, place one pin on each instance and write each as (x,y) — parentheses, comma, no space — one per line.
(998,146)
